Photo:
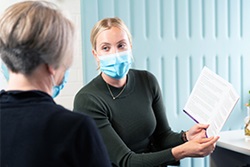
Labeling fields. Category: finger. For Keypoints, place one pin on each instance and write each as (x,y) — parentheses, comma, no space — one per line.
(210,141)
(216,139)
(203,126)
(205,140)
(203,134)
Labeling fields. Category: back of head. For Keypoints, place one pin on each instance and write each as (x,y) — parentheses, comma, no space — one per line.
(105,24)
(34,33)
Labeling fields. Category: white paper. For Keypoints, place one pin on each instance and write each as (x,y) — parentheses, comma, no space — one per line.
(211,101)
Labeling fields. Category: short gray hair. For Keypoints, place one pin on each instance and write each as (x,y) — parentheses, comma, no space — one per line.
(34,33)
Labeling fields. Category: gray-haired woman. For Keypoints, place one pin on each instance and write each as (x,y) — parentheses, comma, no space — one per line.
(36,44)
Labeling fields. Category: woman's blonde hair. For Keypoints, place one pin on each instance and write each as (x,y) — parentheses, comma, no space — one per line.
(33,33)
(106,24)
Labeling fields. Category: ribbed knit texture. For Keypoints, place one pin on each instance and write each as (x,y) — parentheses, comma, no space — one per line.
(134,126)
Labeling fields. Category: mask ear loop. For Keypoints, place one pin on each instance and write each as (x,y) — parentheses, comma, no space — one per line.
(57,88)
(52,80)
(5,71)
(54,87)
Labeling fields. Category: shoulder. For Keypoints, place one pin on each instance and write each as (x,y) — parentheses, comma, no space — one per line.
(71,124)
(66,117)
(146,78)
(92,94)
(91,87)
(143,74)
(79,134)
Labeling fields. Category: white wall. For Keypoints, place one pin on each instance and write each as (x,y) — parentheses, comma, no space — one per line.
(72,7)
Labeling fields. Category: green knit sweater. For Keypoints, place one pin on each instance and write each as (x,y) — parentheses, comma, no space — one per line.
(134,125)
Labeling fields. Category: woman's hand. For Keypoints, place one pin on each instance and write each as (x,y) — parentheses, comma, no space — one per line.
(195,148)
(198,131)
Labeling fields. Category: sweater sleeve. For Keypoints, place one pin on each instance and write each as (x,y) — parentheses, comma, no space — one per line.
(120,154)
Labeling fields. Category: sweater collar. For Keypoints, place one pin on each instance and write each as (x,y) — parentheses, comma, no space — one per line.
(20,96)
(130,85)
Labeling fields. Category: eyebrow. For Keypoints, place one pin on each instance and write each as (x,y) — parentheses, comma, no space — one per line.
(106,43)
(123,40)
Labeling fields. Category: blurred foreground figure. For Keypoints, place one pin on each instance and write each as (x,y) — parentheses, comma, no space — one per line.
(36,44)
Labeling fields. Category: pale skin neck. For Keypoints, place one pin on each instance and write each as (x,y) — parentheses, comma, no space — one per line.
(114,82)
(40,79)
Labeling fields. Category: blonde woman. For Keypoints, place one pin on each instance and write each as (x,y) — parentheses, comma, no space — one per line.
(128,108)
(36,44)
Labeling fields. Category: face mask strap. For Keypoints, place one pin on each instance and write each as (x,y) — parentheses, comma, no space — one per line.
(57,88)
(53,80)
(5,71)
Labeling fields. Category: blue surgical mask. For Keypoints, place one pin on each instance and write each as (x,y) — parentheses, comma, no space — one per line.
(5,71)
(57,88)
(116,65)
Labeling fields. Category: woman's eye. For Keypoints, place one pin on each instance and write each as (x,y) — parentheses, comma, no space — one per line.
(105,48)
(121,46)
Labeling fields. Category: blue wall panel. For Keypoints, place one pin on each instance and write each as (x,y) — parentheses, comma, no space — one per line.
(174,39)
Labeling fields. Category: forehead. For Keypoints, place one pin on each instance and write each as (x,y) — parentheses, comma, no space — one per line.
(111,35)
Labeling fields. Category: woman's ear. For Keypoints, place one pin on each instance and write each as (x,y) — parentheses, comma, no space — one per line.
(51,70)
(95,55)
